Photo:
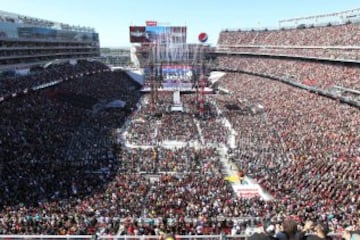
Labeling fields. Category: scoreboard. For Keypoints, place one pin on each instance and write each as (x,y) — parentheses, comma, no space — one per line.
(150,34)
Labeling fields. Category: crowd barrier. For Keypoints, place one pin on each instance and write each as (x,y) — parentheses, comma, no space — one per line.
(334,236)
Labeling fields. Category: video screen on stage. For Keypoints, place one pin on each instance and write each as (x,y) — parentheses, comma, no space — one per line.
(150,34)
(173,76)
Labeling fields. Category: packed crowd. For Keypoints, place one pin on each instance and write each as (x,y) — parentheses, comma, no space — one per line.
(147,128)
(334,53)
(164,125)
(57,72)
(75,185)
(71,176)
(54,148)
(155,160)
(304,149)
(325,41)
(320,75)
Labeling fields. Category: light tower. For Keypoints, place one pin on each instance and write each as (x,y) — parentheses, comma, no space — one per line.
(203,37)
(202,81)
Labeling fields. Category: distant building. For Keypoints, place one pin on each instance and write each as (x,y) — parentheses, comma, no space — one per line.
(114,56)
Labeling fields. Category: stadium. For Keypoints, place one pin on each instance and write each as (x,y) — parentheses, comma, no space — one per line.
(256,137)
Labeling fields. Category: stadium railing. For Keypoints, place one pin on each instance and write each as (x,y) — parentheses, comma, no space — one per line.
(121,237)
(334,236)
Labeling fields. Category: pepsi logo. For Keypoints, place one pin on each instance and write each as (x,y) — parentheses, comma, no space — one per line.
(203,37)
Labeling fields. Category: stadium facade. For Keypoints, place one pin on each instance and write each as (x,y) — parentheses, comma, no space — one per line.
(28,41)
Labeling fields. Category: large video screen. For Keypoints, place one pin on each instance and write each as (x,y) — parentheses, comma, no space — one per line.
(149,34)
(137,34)
(174,76)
